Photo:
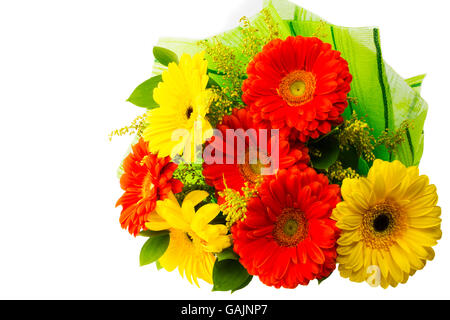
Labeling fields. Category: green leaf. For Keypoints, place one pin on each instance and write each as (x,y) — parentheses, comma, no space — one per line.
(363,167)
(227,254)
(246,283)
(165,56)
(153,249)
(212,83)
(150,233)
(329,152)
(158,265)
(229,275)
(142,96)
(349,158)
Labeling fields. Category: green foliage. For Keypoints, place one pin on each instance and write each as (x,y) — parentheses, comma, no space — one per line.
(356,135)
(229,275)
(136,127)
(192,177)
(227,254)
(153,249)
(244,284)
(165,56)
(363,167)
(337,173)
(325,152)
(158,265)
(349,158)
(391,139)
(150,233)
(142,96)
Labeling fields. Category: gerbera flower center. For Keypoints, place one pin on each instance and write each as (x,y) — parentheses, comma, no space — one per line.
(297,88)
(251,171)
(382,222)
(382,225)
(290,227)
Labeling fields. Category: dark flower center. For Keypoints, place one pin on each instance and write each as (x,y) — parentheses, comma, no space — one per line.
(381,223)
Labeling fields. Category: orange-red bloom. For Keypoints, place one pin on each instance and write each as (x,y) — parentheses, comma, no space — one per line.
(232,171)
(287,237)
(299,83)
(146,179)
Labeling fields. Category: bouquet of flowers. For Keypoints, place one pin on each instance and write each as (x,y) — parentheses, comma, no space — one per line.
(279,149)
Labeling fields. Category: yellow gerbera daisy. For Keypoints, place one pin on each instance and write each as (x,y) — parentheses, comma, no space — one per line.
(192,239)
(179,124)
(389,223)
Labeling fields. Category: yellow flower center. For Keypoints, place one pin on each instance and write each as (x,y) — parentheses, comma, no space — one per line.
(290,227)
(382,225)
(297,88)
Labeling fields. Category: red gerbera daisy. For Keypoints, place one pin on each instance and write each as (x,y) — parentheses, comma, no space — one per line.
(300,83)
(235,140)
(146,179)
(287,237)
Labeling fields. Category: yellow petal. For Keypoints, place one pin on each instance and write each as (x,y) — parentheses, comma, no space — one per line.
(205,215)
(381,262)
(417,186)
(348,237)
(425,237)
(348,187)
(354,260)
(188,209)
(422,203)
(349,221)
(366,189)
(218,244)
(424,222)
(156,223)
(196,196)
(170,211)
(394,270)
(396,172)
(400,258)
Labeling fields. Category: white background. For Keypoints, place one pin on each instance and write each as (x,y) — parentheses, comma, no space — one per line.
(66,69)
